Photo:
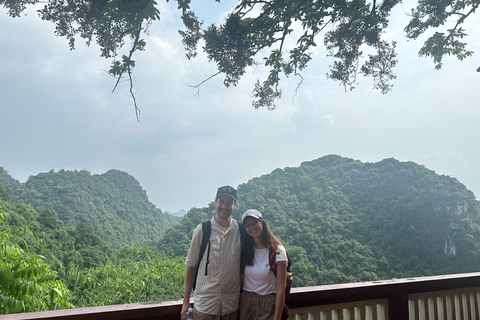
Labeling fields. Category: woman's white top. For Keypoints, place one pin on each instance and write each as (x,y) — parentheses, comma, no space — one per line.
(258,278)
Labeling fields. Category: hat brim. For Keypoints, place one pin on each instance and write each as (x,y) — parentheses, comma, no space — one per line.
(250,216)
(227,194)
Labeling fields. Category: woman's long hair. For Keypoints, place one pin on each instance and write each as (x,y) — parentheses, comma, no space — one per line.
(248,243)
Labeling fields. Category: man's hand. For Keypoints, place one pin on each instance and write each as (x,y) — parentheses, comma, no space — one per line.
(183,313)
(189,278)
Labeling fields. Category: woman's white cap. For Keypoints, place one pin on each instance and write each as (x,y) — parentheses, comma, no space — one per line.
(254,213)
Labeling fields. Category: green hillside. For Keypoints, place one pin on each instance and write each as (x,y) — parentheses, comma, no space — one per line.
(113,204)
(345,221)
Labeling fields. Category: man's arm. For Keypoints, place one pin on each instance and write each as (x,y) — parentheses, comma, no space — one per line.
(189,278)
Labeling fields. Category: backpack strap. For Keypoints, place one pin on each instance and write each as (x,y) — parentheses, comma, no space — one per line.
(206,232)
(273,258)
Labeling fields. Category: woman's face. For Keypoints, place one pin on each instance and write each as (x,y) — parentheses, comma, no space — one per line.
(253,227)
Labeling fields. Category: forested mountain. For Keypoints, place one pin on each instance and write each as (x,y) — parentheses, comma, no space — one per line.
(113,204)
(345,221)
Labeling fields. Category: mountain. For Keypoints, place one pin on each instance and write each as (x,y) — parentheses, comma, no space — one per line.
(8,185)
(343,220)
(179,213)
(113,204)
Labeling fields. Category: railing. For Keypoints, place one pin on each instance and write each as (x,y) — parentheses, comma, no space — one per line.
(452,297)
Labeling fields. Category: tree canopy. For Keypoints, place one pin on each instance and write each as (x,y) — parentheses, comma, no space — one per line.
(256,32)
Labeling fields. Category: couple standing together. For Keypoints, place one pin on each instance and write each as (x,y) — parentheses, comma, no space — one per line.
(217,291)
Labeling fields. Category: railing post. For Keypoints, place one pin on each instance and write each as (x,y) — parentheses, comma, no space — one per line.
(398,305)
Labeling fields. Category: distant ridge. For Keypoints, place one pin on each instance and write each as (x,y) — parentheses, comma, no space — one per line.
(179,213)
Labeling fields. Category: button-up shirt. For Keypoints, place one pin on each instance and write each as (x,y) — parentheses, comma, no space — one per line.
(220,288)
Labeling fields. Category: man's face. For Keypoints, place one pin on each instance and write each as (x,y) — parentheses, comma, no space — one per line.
(225,206)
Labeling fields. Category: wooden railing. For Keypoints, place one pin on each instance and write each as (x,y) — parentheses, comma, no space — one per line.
(452,297)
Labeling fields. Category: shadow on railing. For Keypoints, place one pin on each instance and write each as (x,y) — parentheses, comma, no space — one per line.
(454,297)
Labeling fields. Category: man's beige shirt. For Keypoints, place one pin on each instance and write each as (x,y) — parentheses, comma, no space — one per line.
(220,289)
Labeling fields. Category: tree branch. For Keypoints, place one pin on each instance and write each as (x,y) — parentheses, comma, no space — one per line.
(197,86)
(460,21)
(127,68)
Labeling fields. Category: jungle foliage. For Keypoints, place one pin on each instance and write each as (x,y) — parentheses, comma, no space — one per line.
(45,265)
(346,28)
(27,283)
(139,274)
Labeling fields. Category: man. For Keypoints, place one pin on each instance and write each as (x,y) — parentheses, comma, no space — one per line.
(217,289)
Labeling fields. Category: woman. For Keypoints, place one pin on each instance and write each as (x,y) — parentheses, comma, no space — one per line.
(263,295)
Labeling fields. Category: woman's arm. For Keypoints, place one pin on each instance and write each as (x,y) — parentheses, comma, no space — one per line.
(281,282)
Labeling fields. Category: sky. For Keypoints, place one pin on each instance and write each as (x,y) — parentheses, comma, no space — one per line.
(57,112)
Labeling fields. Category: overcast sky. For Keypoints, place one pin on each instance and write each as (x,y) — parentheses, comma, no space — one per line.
(57,112)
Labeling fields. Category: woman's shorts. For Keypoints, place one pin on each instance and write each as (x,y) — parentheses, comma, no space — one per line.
(254,306)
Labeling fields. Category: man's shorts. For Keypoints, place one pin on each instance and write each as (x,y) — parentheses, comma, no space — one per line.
(202,316)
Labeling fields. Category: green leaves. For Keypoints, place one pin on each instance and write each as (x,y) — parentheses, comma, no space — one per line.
(26,281)
(117,68)
(350,25)
(139,274)
(381,65)
(265,94)
(192,34)
(440,45)
(435,14)
(234,45)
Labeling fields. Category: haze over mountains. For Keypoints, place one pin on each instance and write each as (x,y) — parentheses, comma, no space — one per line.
(179,213)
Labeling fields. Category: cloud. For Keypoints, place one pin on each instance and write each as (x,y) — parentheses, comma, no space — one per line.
(438,159)
(58,112)
(329,119)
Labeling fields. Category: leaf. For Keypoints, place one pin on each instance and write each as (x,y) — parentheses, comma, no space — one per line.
(58,292)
